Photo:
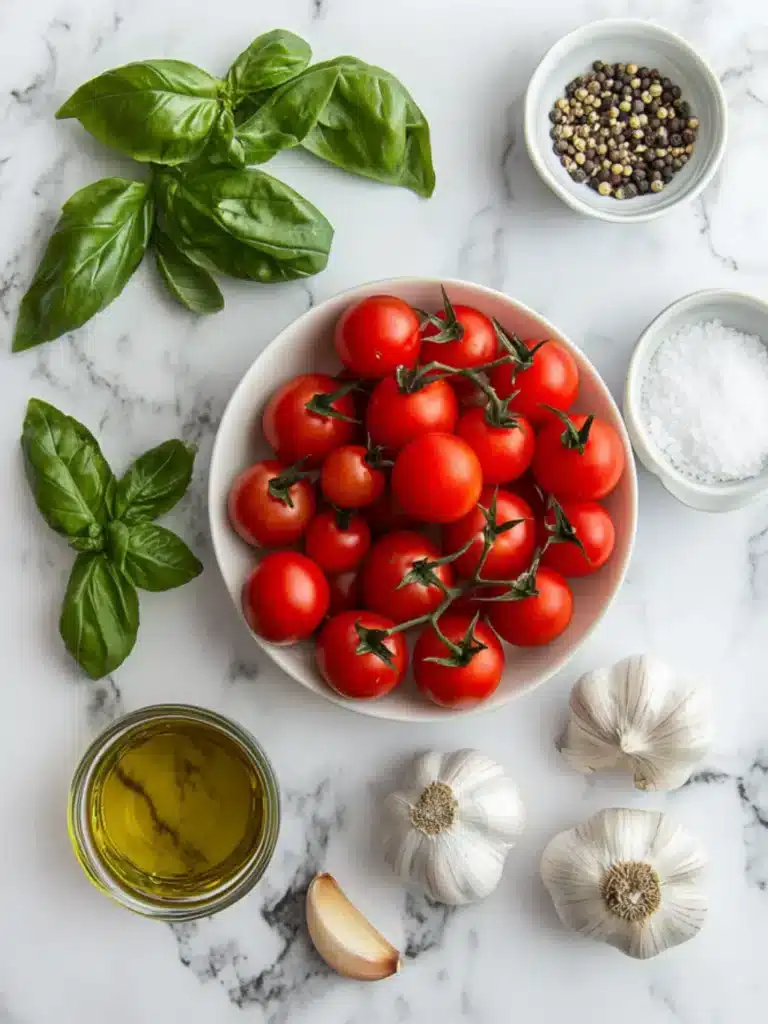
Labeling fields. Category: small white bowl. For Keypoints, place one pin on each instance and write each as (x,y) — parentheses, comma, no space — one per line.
(306,345)
(742,312)
(628,41)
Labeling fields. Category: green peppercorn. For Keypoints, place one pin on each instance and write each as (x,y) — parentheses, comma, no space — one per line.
(657,186)
(605,188)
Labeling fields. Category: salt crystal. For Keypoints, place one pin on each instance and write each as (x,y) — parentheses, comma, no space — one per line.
(704,402)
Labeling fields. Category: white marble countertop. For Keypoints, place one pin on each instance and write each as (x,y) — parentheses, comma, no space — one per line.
(697,591)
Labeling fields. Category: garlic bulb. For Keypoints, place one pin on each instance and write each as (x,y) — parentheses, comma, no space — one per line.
(451,827)
(629,878)
(639,716)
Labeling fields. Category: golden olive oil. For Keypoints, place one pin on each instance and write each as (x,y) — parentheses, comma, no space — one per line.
(175,809)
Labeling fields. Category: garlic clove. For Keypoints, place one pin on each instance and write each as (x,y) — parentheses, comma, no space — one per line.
(343,937)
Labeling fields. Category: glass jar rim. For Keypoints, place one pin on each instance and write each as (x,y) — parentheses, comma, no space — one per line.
(188,908)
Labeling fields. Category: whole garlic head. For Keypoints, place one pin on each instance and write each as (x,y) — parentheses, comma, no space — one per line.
(452,825)
(639,716)
(629,878)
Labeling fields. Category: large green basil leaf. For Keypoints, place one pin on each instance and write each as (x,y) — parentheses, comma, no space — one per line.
(96,246)
(371,126)
(158,111)
(70,478)
(100,615)
(270,60)
(155,482)
(188,283)
(287,116)
(243,223)
(152,557)
(224,145)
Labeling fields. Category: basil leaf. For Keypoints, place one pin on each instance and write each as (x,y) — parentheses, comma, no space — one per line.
(243,223)
(158,111)
(71,480)
(96,246)
(152,557)
(100,615)
(188,283)
(371,126)
(155,482)
(270,60)
(288,114)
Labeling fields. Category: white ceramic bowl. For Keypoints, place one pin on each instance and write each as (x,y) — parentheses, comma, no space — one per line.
(638,42)
(742,312)
(305,346)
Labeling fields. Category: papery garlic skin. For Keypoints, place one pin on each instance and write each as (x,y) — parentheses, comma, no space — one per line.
(451,827)
(666,906)
(639,716)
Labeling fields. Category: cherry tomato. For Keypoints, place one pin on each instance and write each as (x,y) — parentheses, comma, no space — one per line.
(349,479)
(389,560)
(351,674)
(505,453)
(573,474)
(295,428)
(534,621)
(437,478)
(345,592)
(385,515)
(511,552)
(285,598)
(376,335)
(270,505)
(475,343)
(457,686)
(395,417)
(551,379)
(338,542)
(594,528)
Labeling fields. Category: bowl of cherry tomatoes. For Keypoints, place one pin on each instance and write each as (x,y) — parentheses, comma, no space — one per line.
(422,499)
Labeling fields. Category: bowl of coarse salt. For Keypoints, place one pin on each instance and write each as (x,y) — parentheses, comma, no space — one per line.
(696,399)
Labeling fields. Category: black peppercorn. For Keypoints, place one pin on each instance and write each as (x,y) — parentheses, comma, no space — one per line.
(676,91)
(655,175)
(667,174)
(597,65)
(688,137)
(677,163)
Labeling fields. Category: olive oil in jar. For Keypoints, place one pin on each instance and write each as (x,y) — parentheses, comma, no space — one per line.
(174,812)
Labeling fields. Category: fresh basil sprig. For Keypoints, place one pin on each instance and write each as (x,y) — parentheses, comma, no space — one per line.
(96,246)
(206,210)
(110,524)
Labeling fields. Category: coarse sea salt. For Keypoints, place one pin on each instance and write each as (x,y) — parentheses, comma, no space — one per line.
(704,402)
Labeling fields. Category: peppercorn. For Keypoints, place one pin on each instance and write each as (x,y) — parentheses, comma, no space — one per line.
(657,186)
(646,97)
(688,137)
(605,188)
(562,146)
(662,114)
(578,176)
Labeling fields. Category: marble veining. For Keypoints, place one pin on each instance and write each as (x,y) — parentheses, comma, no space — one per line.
(144,370)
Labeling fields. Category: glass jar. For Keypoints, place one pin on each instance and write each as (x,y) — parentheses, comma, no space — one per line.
(174,812)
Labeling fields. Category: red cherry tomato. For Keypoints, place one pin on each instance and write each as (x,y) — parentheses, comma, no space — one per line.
(270,505)
(538,620)
(475,343)
(511,552)
(437,478)
(457,686)
(594,528)
(395,417)
(389,560)
(572,474)
(351,674)
(349,480)
(296,432)
(285,598)
(505,453)
(376,335)
(551,379)
(338,542)
(385,515)
(345,592)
